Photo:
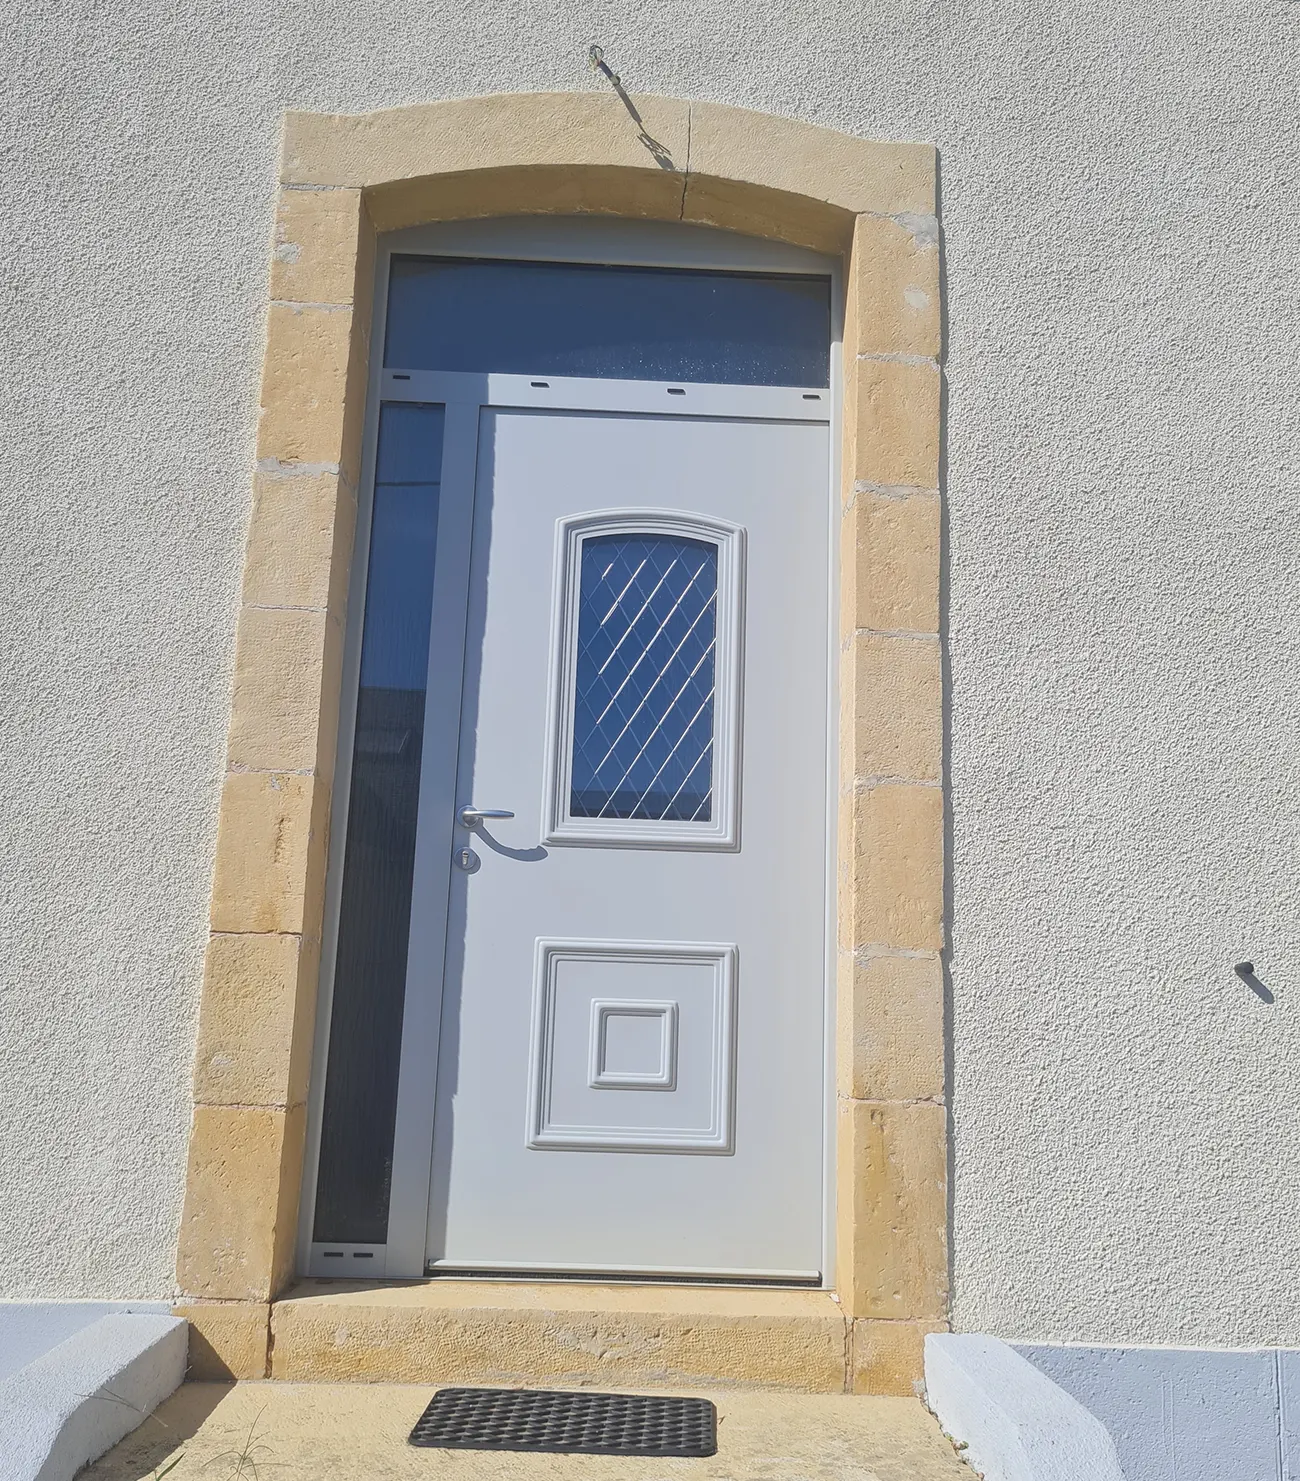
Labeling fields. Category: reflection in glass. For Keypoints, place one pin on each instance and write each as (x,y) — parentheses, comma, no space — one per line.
(629,323)
(643,712)
(360,1110)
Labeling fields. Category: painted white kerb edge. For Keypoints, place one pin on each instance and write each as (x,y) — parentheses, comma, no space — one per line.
(74,1402)
(1014,1422)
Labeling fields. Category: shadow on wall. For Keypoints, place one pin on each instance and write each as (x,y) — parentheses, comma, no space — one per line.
(1184,1413)
(1246,971)
(659,152)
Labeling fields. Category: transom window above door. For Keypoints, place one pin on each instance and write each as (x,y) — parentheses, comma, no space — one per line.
(630,323)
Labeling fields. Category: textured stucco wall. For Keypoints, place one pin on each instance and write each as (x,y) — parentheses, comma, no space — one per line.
(1120,210)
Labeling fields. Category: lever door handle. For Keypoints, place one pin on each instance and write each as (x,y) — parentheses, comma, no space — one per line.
(471,817)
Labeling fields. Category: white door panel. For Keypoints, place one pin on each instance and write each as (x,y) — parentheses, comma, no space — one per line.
(630,1068)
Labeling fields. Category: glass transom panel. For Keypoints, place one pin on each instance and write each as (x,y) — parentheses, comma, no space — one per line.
(643,723)
(629,323)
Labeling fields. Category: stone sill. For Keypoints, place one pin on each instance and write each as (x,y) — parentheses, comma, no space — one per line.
(467,1331)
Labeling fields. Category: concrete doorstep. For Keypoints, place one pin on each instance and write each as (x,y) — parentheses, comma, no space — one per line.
(71,1402)
(358,1432)
(1011,1421)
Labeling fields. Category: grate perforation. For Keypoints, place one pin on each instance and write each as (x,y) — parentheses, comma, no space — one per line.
(577,1423)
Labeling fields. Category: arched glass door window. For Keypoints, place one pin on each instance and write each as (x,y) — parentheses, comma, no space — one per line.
(643,690)
(645,712)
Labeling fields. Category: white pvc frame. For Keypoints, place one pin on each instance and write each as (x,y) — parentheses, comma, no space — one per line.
(568,239)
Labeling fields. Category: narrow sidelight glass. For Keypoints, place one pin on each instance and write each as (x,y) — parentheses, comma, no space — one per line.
(356,1156)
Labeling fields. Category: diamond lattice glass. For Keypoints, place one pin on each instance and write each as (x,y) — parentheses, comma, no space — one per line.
(643,711)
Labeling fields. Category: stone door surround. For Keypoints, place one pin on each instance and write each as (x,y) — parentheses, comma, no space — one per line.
(343,180)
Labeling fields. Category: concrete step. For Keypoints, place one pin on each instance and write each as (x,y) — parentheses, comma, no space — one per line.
(76,1381)
(321,1432)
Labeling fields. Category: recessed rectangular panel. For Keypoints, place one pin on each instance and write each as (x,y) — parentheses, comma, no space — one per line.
(633,1046)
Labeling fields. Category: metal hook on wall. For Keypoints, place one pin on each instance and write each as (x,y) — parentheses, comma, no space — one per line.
(596,61)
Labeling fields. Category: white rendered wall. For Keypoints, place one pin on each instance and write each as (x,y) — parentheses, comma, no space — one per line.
(1119,192)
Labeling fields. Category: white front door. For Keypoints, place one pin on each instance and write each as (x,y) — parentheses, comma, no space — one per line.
(630,1062)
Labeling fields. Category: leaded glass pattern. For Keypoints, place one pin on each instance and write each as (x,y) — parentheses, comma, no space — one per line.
(643,723)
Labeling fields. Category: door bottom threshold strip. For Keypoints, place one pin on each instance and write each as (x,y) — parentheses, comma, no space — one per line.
(537,1276)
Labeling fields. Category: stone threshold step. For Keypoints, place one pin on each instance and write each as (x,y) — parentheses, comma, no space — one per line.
(514,1332)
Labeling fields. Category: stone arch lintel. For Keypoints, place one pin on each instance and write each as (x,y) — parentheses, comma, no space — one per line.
(706,163)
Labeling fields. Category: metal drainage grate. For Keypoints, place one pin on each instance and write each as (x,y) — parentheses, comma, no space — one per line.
(572,1423)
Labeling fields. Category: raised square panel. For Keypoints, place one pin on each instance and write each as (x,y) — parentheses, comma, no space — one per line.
(633,1046)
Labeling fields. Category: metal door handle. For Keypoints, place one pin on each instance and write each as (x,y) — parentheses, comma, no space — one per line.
(471,817)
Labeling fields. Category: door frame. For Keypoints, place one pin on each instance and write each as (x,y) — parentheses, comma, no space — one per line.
(465,396)
(343,179)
